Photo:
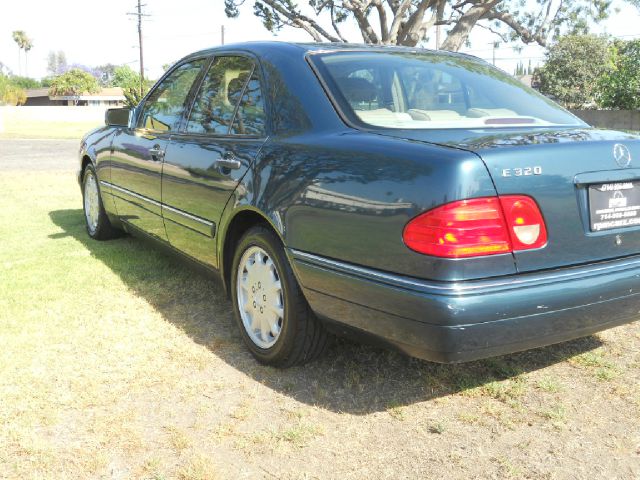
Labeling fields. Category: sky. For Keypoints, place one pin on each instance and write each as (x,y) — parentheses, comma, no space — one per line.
(95,33)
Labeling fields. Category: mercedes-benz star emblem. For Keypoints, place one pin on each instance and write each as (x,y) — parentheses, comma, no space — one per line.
(621,155)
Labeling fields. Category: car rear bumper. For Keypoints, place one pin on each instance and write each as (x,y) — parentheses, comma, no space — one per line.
(463,321)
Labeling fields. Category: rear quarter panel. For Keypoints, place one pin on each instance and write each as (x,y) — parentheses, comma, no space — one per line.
(347,196)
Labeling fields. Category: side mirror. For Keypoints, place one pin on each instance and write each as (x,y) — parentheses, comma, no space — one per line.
(117,117)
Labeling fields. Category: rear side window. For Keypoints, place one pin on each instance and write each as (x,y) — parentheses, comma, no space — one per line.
(163,109)
(432,90)
(250,115)
(229,100)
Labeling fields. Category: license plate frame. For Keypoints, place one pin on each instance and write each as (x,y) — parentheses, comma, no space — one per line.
(614,205)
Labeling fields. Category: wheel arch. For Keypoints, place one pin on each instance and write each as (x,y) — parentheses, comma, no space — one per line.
(241,221)
(86,160)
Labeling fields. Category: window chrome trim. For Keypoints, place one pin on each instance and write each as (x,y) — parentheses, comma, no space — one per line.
(157,204)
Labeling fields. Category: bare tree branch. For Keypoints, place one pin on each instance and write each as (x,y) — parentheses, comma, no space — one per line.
(460,32)
(410,31)
(359,12)
(526,35)
(394,5)
(397,20)
(382,15)
(502,36)
(334,23)
(302,21)
(542,28)
(407,22)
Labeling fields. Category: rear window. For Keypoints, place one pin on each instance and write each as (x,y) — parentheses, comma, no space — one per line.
(432,90)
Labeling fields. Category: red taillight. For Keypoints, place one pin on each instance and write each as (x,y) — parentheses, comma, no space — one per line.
(477,227)
(526,225)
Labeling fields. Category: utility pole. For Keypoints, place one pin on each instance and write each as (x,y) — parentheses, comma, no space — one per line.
(496,45)
(221,34)
(139,14)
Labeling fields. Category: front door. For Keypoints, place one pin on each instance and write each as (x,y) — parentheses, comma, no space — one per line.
(207,159)
(136,161)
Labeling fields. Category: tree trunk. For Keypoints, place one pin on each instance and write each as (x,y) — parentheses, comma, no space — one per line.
(460,32)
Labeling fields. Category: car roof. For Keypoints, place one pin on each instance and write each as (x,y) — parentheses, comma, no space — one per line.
(258,47)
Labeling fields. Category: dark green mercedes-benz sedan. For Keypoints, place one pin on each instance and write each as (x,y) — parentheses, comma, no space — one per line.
(424,199)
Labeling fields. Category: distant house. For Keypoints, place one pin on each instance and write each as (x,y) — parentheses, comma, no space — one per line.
(107,97)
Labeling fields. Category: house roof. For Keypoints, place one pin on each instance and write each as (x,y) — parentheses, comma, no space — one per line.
(37,92)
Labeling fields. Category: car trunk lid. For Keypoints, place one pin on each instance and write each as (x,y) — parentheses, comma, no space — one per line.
(566,171)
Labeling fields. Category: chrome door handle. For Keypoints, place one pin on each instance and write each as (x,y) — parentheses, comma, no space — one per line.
(229,162)
(157,153)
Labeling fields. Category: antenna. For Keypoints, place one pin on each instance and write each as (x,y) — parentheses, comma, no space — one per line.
(139,14)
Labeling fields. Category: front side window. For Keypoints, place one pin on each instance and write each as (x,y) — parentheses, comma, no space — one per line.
(432,90)
(163,109)
(230,99)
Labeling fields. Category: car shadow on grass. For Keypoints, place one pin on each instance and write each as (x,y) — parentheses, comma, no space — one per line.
(350,378)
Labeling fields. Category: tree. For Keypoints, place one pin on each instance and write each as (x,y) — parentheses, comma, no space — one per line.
(132,97)
(56,63)
(24,82)
(620,85)
(409,22)
(125,77)
(28,45)
(73,83)
(572,68)
(24,43)
(104,74)
(11,94)
(20,37)
(519,71)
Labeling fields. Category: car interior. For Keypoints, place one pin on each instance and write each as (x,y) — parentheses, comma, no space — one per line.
(420,97)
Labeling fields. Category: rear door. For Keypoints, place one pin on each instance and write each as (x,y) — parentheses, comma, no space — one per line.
(207,158)
(136,161)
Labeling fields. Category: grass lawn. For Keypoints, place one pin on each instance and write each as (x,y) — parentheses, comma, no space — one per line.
(117,361)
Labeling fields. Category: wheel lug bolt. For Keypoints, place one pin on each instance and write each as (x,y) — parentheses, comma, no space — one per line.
(254,305)
(259,285)
(260,309)
(264,298)
(253,289)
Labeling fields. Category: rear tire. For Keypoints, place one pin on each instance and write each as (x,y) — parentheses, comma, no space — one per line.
(98,225)
(274,318)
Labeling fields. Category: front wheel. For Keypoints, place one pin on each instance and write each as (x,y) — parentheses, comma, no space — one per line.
(275,320)
(98,224)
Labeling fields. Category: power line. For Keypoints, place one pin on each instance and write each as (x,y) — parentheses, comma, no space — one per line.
(139,14)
